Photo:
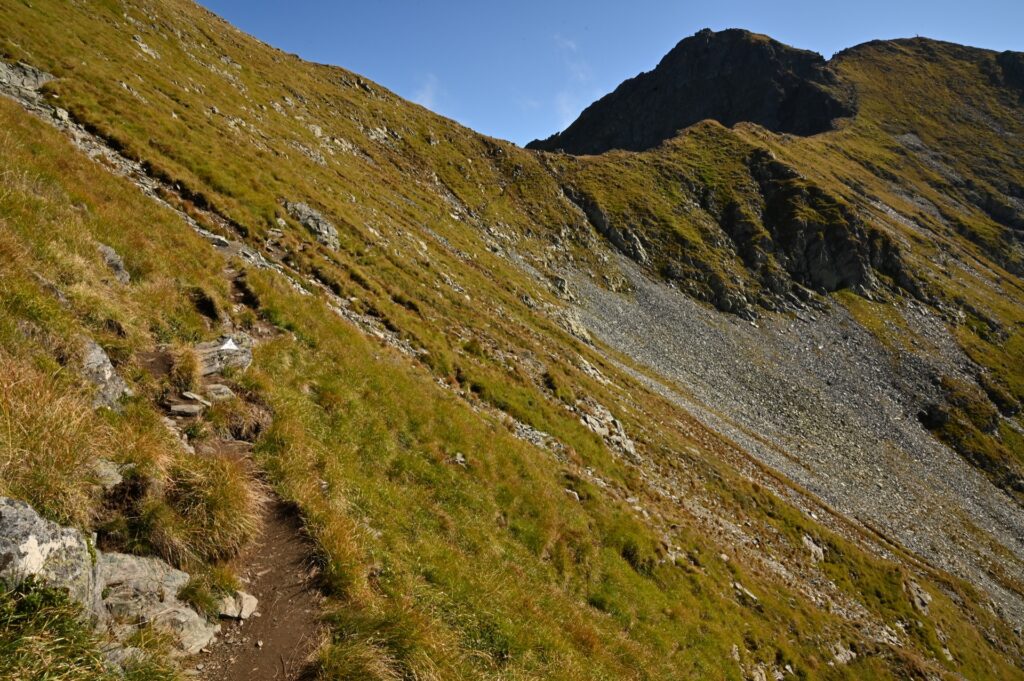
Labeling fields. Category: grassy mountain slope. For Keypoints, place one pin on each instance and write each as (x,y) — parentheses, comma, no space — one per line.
(450,247)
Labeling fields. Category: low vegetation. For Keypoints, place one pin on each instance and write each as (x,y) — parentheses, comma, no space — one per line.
(448,547)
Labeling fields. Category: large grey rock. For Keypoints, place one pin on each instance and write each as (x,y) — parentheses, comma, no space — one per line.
(23,76)
(31,546)
(114,262)
(321,227)
(234,352)
(116,589)
(96,367)
(144,591)
(815,549)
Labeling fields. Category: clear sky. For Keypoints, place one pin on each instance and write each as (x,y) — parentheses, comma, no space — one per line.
(522,69)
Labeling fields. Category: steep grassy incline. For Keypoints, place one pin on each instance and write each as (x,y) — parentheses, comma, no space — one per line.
(492,493)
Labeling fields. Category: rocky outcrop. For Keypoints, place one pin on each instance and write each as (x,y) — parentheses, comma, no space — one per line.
(144,591)
(729,76)
(623,239)
(322,228)
(31,546)
(118,591)
(22,76)
(602,422)
(114,262)
(98,370)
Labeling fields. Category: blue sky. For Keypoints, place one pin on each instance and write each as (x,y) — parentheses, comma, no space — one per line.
(522,69)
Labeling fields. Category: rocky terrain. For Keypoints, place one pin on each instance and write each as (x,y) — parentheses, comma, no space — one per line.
(341,389)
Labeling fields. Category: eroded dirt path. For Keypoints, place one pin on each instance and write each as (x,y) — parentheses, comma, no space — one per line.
(278,641)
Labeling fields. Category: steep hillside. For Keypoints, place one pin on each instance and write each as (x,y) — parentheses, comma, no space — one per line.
(526,415)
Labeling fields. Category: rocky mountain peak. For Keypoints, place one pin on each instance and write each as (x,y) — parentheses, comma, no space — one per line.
(729,76)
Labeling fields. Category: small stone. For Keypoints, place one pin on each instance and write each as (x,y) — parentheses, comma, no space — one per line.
(113,261)
(197,398)
(108,474)
(228,607)
(459,459)
(187,409)
(219,392)
(246,605)
(259,644)
(572,493)
(817,553)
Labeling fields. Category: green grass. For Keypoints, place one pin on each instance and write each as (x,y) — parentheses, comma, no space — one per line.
(44,638)
(434,570)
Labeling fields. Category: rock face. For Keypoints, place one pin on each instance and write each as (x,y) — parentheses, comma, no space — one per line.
(23,76)
(729,76)
(96,366)
(321,227)
(120,591)
(31,546)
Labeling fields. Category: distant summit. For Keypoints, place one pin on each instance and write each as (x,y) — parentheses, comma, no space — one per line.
(729,76)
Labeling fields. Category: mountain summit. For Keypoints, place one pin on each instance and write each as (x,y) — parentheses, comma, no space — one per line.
(729,76)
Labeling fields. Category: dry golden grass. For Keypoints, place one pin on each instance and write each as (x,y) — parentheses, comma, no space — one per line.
(49,440)
(184,374)
(210,507)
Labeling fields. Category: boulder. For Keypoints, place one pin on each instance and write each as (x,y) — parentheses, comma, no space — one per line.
(321,227)
(919,598)
(229,352)
(61,557)
(98,370)
(116,589)
(144,591)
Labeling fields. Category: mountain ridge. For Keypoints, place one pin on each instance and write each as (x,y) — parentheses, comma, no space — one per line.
(730,76)
(498,386)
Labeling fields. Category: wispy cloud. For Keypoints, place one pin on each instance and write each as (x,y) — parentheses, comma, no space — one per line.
(427,94)
(577,90)
(577,67)
(565,43)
